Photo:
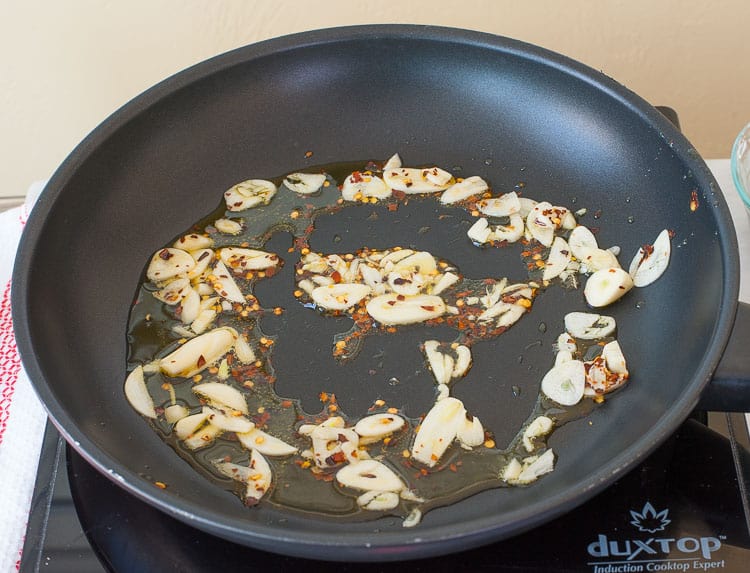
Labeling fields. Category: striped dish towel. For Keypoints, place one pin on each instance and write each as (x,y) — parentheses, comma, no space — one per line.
(22,418)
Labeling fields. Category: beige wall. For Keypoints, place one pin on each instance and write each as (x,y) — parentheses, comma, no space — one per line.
(67,64)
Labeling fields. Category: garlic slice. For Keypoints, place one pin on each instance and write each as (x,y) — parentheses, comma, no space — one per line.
(203,258)
(558,258)
(173,292)
(589,326)
(137,393)
(539,225)
(541,426)
(471,432)
(582,240)
(420,261)
(480,231)
(228,423)
(241,259)
(565,342)
(510,232)
(175,413)
(193,242)
(378,500)
(228,226)
(304,183)
(614,358)
(225,285)
(417,180)
(441,364)
(169,263)
(393,309)
(445,281)
(503,206)
(394,162)
(369,475)
(222,396)
(463,361)
(249,194)
(469,187)
(265,443)
(187,426)
(190,307)
(334,445)
(198,353)
(606,286)
(593,260)
(438,430)
(204,436)
(243,350)
(339,296)
(360,185)
(260,477)
(377,426)
(544,464)
(648,265)
(565,383)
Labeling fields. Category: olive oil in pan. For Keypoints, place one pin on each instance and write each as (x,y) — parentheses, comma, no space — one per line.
(297,380)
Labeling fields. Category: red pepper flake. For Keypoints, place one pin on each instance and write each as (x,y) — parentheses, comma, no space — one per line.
(694,200)
(336,276)
(428,308)
(165,255)
(308,154)
(356,177)
(160,484)
(201,361)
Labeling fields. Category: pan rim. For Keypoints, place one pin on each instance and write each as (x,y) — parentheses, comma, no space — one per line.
(388,545)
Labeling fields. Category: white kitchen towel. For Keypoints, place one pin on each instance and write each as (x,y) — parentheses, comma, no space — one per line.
(22,418)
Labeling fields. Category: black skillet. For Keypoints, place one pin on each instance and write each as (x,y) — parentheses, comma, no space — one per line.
(469,102)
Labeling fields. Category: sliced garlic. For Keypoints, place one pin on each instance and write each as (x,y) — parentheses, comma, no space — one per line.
(240,259)
(188,425)
(589,326)
(392,309)
(339,296)
(369,475)
(378,500)
(469,187)
(565,383)
(542,465)
(540,225)
(137,393)
(648,265)
(445,281)
(421,261)
(204,436)
(190,307)
(541,426)
(225,285)
(526,205)
(265,443)
(359,185)
(249,194)
(203,258)
(378,426)
(198,353)
(511,471)
(463,361)
(503,206)
(480,231)
(173,292)
(372,278)
(471,432)
(394,162)
(565,342)
(438,430)
(169,263)
(222,395)
(193,242)
(228,423)
(243,350)
(175,413)
(593,260)
(232,470)
(581,240)
(260,478)
(405,282)
(606,286)
(614,358)
(511,232)
(204,319)
(417,180)
(441,364)
(228,226)
(557,260)
(334,445)
(304,183)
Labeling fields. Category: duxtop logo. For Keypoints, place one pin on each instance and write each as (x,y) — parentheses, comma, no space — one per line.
(649,552)
(649,520)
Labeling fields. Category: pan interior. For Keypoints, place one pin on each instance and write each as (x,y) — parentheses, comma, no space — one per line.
(479,106)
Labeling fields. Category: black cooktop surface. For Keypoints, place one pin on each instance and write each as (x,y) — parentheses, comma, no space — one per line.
(684,509)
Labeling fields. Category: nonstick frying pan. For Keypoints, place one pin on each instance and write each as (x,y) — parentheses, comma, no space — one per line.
(469,102)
